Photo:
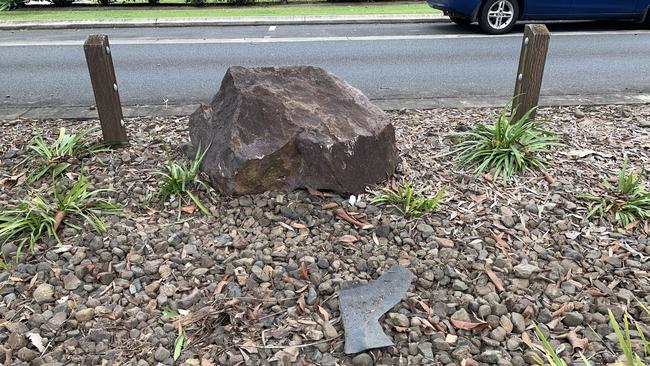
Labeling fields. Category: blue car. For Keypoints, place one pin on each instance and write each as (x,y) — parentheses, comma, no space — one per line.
(499,16)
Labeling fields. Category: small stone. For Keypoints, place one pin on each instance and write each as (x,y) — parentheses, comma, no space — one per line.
(459,285)
(579,114)
(314,335)
(260,274)
(461,315)
(451,338)
(362,359)
(426,349)
(508,221)
(425,230)
(312,296)
(484,310)
(161,354)
(445,243)
(532,208)
(383,231)
(491,356)
(399,320)
(644,124)
(441,345)
(572,319)
(506,323)
(323,263)
(26,354)
(518,323)
(105,278)
(187,301)
(328,330)
(85,315)
(16,341)
(164,271)
(71,282)
(498,334)
(615,262)
(525,270)
(44,293)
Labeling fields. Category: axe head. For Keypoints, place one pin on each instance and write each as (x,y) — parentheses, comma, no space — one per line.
(363,305)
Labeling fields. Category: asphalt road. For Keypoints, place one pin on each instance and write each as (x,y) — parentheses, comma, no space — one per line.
(412,65)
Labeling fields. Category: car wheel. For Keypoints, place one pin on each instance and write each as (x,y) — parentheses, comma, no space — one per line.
(460,20)
(498,16)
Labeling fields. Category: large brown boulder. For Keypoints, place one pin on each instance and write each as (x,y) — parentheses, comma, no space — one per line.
(281,128)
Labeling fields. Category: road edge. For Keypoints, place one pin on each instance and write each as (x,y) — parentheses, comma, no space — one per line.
(227,21)
(84,112)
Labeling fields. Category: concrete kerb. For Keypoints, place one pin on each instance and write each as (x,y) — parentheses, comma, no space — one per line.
(83,112)
(227,21)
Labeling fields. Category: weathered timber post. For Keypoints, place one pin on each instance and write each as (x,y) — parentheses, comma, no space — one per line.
(107,96)
(534,49)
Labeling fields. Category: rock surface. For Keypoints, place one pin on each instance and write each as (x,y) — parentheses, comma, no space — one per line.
(282,128)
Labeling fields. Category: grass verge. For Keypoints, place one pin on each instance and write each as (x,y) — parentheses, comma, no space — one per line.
(107,13)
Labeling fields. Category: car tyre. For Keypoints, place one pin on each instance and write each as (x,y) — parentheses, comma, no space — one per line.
(460,20)
(498,16)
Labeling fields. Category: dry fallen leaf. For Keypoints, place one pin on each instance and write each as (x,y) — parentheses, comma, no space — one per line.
(329,205)
(37,341)
(58,218)
(460,324)
(221,285)
(189,209)
(549,178)
(249,346)
(495,280)
(501,243)
(553,323)
(487,177)
(348,239)
(345,216)
(526,338)
(576,341)
(399,329)
(205,362)
(595,292)
(286,356)
(560,311)
(478,199)
(583,153)
(303,271)
(324,313)
(529,312)
(301,303)
(315,192)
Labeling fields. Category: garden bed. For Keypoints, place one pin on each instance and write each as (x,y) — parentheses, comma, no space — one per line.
(259,281)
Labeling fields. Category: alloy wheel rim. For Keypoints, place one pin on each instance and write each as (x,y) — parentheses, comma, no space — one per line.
(501,14)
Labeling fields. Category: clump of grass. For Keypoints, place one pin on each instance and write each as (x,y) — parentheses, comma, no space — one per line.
(56,157)
(181,340)
(178,181)
(507,147)
(623,335)
(407,200)
(625,203)
(33,219)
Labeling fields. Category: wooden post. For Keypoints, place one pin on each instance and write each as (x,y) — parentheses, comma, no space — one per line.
(534,49)
(107,96)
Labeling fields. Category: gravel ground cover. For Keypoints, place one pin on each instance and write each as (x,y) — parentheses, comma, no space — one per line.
(257,283)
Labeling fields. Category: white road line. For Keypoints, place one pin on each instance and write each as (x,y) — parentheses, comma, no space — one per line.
(145,41)
(272,28)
